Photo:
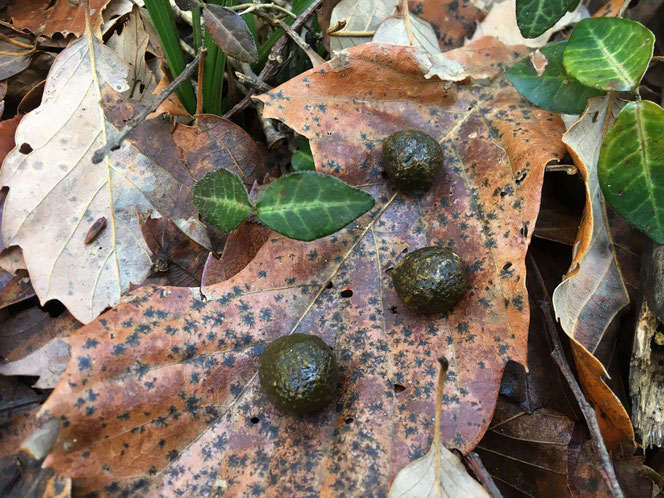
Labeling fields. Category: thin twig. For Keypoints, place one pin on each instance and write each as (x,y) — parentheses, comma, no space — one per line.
(444,365)
(570,169)
(538,290)
(115,142)
(274,61)
(199,86)
(352,33)
(473,460)
(250,7)
(316,60)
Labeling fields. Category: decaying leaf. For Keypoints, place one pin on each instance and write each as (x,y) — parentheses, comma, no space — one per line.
(593,292)
(56,193)
(48,17)
(16,51)
(361,16)
(417,480)
(230,33)
(167,379)
(14,288)
(393,30)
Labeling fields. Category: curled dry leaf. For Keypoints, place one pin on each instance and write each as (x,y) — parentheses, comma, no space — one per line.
(361,16)
(48,17)
(593,292)
(169,377)
(393,30)
(179,260)
(14,288)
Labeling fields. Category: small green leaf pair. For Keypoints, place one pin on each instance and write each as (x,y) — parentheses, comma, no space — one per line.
(602,54)
(305,205)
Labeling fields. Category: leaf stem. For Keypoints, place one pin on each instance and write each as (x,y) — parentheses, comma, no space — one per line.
(444,365)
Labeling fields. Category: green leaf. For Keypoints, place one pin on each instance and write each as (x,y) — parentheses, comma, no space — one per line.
(230,33)
(302,161)
(555,90)
(222,199)
(609,53)
(534,17)
(309,205)
(631,167)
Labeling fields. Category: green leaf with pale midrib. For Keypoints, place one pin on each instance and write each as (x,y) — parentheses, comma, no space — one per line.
(609,53)
(222,199)
(309,205)
(534,17)
(631,167)
(555,90)
(230,33)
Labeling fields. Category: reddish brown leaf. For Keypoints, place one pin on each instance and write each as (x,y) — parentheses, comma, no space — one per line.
(241,247)
(14,288)
(453,21)
(47,17)
(31,329)
(7,130)
(219,143)
(173,373)
(178,259)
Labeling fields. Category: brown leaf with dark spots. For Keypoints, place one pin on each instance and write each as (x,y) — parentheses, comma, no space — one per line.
(230,33)
(216,143)
(453,21)
(173,372)
(241,247)
(178,260)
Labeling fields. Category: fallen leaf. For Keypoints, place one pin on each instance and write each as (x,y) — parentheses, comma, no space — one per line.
(48,17)
(47,363)
(31,100)
(131,44)
(179,260)
(593,292)
(14,288)
(360,16)
(17,50)
(453,21)
(241,247)
(418,479)
(173,371)
(7,130)
(393,30)
(231,34)
(56,193)
(29,330)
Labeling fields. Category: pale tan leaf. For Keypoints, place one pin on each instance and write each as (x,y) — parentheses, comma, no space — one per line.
(131,45)
(360,16)
(393,30)
(47,363)
(501,23)
(56,193)
(418,479)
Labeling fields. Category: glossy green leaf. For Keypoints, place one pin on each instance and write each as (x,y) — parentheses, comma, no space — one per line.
(222,199)
(534,17)
(631,167)
(609,53)
(302,161)
(555,90)
(309,205)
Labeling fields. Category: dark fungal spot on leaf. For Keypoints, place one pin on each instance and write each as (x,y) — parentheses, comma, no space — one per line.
(346,293)
(398,388)
(25,148)
(254,420)
(349,420)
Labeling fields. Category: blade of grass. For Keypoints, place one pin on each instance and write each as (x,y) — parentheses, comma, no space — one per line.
(164,22)
(196,21)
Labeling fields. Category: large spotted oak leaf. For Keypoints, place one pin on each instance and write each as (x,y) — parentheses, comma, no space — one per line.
(161,396)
